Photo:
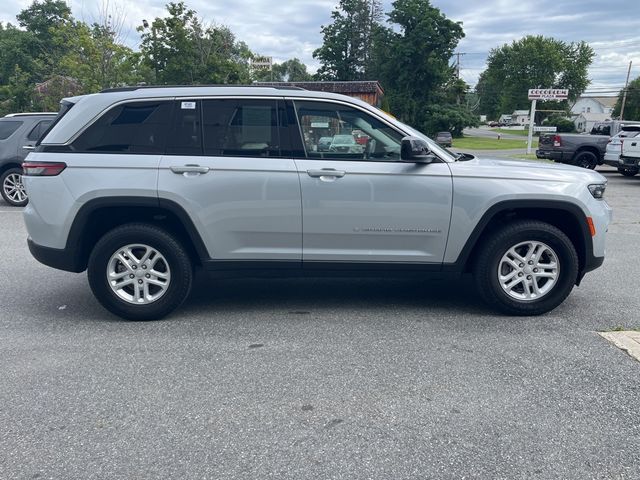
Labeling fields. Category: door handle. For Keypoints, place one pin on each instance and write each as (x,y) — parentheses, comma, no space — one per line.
(189,169)
(29,147)
(326,172)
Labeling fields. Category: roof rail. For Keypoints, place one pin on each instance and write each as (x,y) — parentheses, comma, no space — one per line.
(28,114)
(142,87)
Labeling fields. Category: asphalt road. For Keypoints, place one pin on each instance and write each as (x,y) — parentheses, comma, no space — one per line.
(327,379)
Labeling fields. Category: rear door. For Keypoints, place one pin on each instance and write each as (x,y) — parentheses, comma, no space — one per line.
(361,204)
(228,166)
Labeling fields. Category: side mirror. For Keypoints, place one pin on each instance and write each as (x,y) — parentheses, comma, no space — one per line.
(415,150)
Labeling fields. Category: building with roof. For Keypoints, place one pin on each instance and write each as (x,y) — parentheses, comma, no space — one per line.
(369,91)
(594,105)
(520,117)
(584,122)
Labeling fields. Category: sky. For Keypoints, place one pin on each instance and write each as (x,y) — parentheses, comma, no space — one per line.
(291,28)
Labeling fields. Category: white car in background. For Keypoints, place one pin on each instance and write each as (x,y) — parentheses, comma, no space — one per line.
(614,149)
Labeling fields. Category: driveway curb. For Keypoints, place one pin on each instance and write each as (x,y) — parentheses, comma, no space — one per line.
(629,341)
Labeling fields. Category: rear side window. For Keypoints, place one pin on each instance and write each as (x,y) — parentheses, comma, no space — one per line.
(37,131)
(8,128)
(186,131)
(242,127)
(138,127)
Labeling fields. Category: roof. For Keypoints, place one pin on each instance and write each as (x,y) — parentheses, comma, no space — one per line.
(89,106)
(520,112)
(28,114)
(360,86)
(608,102)
(595,117)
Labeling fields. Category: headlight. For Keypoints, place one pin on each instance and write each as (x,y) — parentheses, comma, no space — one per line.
(597,191)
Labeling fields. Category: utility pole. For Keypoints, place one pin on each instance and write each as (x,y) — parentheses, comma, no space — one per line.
(624,94)
(458,55)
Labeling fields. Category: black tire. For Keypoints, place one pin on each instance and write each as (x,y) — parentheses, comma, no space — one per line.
(586,160)
(6,177)
(628,171)
(177,259)
(499,242)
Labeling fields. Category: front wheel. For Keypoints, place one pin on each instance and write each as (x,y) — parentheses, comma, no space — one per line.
(140,272)
(628,171)
(13,190)
(526,268)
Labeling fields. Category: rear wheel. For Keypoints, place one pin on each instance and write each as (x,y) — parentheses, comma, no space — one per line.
(13,190)
(526,268)
(628,171)
(586,160)
(140,272)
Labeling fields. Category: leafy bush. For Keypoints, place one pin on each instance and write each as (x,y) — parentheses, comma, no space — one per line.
(563,124)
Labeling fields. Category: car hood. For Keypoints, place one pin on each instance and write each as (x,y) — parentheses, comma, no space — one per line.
(524,170)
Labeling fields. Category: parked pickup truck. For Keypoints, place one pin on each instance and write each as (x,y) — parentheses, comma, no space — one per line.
(585,151)
(630,156)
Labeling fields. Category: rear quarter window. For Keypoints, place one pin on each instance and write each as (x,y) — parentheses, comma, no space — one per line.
(136,127)
(8,128)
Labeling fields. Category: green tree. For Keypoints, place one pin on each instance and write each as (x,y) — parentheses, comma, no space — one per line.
(180,49)
(292,70)
(411,59)
(563,124)
(632,105)
(51,27)
(347,45)
(532,62)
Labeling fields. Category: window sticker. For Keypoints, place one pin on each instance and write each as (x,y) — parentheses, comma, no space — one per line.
(188,105)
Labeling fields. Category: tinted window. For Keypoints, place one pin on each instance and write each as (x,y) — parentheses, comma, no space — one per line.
(339,132)
(185,136)
(139,127)
(242,127)
(37,131)
(8,127)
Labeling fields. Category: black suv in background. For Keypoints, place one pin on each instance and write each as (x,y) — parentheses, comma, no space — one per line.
(19,133)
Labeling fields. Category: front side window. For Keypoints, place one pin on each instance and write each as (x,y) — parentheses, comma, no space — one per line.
(340,132)
(241,127)
(8,128)
(137,127)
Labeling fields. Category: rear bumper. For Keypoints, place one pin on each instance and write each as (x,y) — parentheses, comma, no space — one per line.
(62,259)
(550,155)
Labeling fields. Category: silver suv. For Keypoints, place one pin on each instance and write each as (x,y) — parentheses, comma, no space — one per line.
(139,186)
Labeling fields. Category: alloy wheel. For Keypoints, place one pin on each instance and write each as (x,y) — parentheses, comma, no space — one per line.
(528,271)
(13,188)
(138,274)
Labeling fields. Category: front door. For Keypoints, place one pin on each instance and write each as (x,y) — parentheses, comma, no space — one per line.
(360,203)
(226,166)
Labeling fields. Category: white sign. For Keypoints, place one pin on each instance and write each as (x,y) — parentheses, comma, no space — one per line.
(545,129)
(548,94)
(188,105)
(262,63)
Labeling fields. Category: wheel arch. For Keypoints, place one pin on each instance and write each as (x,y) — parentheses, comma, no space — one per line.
(9,165)
(591,149)
(98,216)
(568,217)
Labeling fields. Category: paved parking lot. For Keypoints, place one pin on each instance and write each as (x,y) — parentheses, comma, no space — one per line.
(321,378)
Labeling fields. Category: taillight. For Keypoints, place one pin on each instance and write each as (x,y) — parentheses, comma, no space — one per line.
(43,169)
(557,141)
